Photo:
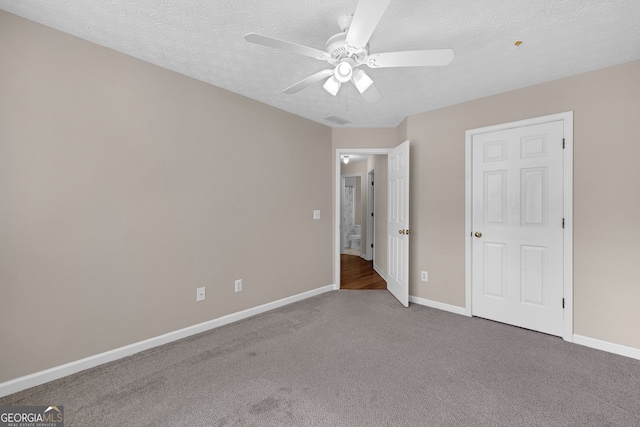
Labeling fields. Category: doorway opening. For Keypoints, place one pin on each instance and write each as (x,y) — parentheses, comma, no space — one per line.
(352,199)
(363,259)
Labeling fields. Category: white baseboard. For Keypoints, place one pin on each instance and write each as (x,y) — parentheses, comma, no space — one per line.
(37,378)
(610,347)
(377,270)
(439,305)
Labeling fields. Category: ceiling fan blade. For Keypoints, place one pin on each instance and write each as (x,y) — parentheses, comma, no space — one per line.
(413,58)
(288,46)
(372,94)
(365,20)
(312,79)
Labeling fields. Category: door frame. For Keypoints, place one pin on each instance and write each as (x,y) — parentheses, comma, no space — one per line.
(371,226)
(567,119)
(337,205)
(342,178)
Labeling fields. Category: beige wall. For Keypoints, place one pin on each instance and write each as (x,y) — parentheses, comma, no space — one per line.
(363,138)
(124,187)
(401,135)
(606,105)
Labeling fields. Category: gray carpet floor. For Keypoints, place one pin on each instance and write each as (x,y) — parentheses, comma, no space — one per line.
(354,358)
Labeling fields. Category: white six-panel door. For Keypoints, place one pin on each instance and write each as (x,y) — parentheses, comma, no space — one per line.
(398,231)
(517,226)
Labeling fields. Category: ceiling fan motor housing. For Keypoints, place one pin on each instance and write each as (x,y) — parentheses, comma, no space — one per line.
(336,47)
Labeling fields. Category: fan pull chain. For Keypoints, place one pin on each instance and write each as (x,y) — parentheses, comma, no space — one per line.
(346,100)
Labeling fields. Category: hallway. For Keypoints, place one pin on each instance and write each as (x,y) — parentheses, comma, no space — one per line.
(357,273)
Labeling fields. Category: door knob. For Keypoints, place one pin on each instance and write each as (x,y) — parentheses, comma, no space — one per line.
(401,231)
(478,234)
(408,231)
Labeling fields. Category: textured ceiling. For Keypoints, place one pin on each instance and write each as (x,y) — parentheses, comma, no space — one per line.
(204,39)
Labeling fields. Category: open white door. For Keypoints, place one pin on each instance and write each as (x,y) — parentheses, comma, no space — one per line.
(398,223)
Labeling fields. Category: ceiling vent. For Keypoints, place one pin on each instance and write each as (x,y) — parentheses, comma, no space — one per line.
(337,120)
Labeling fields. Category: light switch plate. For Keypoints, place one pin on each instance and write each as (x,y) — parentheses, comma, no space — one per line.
(316,214)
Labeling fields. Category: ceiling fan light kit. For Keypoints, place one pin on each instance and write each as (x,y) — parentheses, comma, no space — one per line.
(332,85)
(349,50)
(361,80)
(344,71)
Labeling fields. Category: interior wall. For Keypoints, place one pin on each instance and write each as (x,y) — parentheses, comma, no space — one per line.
(401,131)
(124,187)
(606,105)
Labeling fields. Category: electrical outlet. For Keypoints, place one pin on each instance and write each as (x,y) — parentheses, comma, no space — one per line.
(238,285)
(424,276)
(200,294)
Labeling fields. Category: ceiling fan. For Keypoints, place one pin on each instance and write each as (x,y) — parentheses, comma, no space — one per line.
(348,50)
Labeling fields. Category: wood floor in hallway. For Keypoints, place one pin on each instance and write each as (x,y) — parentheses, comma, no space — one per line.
(357,273)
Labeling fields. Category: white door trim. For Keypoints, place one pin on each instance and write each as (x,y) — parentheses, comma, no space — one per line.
(336,217)
(567,119)
(371,226)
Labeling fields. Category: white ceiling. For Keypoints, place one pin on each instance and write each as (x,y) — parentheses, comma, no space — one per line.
(204,39)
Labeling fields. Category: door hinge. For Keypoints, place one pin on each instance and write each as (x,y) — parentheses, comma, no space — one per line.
(372,245)
(562,302)
(371,182)
(562,222)
(371,213)
(563,143)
